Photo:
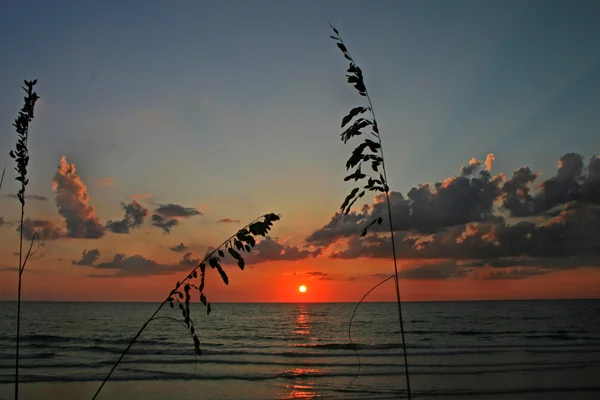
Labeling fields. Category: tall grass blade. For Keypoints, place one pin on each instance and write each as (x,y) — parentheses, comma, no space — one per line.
(368,154)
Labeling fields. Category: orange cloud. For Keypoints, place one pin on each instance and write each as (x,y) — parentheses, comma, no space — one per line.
(489,160)
(72,201)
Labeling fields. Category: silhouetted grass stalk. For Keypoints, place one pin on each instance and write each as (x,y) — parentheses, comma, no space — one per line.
(376,158)
(2,179)
(21,156)
(243,241)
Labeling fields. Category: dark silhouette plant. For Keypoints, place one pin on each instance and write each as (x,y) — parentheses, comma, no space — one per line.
(242,241)
(368,154)
(2,178)
(21,157)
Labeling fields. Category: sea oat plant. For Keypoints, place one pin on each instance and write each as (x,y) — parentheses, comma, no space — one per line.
(368,157)
(242,241)
(21,157)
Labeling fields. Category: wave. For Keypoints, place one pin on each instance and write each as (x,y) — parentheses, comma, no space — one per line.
(352,346)
(27,356)
(300,363)
(54,341)
(139,374)
(325,350)
(469,332)
(413,346)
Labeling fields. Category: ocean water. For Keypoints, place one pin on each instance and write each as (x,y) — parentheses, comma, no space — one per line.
(496,349)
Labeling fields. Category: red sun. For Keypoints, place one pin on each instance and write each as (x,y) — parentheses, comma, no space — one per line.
(302,289)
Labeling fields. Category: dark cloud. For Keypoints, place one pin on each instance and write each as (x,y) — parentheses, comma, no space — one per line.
(187,261)
(134,217)
(270,249)
(575,231)
(164,223)
(166,216)
(47,230)
(517,193)
(435,271)
(548,264)
(228,221)
(88,258)
(180,248)
(427,209)
(476,165)
(453,269)
(138,266)
(552,225)
(514,273)
(569,240)
(72,201)
(28,197)
(175,210)
(3,221)
(572,182)
(314,275)
(470,197)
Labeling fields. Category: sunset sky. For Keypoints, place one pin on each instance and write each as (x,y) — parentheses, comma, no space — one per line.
(163,127)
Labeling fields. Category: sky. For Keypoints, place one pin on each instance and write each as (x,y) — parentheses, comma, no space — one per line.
(164,127)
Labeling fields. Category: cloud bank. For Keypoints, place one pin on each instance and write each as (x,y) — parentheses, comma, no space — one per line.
(473,222)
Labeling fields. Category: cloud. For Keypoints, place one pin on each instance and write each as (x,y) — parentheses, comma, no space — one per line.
(164,223)
(176,211)
(489,161)
(134,217)
(482,222)
(435,271)
(46,229)
(3,221)
(453,269)
(166,216)
(228,221)
(427,208)
(28,197)
(572,182)
(513,273)
(88,258)
(179,248)
(517,193)
(187,261)
(313,275)
(106,181)
(72,201)
(471,197)
(568,240)
(269,249)
(140,266)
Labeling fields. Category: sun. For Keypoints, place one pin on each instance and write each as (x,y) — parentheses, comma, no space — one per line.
(302,289)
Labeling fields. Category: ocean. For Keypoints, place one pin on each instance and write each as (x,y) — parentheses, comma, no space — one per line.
(488,349)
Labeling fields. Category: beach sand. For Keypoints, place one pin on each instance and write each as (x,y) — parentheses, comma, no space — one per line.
(228,390)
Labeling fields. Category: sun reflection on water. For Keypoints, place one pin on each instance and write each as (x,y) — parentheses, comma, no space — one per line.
(302,322)
(302,380)
(303,387)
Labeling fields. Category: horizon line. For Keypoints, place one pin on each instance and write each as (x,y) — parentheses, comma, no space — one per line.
(314,302)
